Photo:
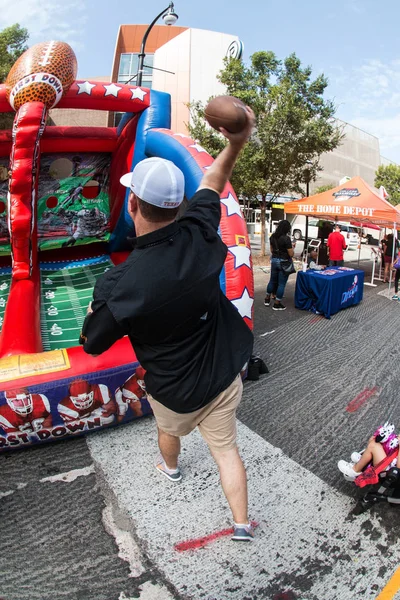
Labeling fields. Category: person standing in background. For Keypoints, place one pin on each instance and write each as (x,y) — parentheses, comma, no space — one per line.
(387,249)
(336,246)
(281,250)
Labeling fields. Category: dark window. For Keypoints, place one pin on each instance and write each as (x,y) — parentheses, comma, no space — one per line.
(128,68)
(117,118)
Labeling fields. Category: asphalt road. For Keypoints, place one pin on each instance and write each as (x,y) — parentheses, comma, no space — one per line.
(86,519)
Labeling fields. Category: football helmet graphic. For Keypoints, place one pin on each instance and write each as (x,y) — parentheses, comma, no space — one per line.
(383,433)
(20,401)
(81,394)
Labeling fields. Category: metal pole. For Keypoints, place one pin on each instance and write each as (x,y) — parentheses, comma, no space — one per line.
(393,248)
(142,53)
(305,251)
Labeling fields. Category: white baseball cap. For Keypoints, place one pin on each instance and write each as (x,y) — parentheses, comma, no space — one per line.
(156,181)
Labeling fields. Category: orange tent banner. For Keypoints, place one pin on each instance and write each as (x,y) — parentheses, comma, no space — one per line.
(354,200)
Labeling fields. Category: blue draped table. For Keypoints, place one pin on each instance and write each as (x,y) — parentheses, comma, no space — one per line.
(326,292)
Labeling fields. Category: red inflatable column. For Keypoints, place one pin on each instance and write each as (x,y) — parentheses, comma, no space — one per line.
(21,326)
(28,127)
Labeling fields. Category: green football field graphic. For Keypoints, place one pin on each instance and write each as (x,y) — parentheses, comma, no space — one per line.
(5,282)
(66,293)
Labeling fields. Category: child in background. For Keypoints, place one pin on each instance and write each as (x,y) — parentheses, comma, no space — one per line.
(312,259)
(380,445)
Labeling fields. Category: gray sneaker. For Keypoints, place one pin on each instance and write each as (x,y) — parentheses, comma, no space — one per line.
(175,475)
(243,534)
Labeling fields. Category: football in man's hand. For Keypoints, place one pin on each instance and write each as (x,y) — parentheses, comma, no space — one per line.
(227,112)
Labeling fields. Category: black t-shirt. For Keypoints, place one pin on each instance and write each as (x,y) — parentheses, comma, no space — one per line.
(388,246)
(280,246)
(166,297)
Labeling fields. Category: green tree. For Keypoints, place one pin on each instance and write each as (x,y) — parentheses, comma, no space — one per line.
(324,188)
(389,177)
(12,44)
(294,127)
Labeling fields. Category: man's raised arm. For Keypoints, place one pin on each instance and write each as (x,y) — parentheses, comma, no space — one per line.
(220,171)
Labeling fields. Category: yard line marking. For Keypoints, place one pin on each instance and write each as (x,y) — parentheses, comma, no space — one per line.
(391,588)
(206,539)
(69,476)
(3,494)
(267,333)
(362,397)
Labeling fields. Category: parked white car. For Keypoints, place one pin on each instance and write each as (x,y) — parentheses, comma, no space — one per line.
(349,232)
(299,227)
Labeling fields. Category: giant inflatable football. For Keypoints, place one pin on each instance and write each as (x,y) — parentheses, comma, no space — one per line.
(63,222)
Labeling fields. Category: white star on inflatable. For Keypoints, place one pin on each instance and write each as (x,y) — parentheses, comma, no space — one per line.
(86,87)
(206,168)
(241,254)
(182,135)
(138,93)
(112,89)
(198,148)
(232,206)
(244,304)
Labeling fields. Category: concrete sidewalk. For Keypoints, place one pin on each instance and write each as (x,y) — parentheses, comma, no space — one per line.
(307,540)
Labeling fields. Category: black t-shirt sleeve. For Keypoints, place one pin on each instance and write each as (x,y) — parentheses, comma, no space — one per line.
(285,242)
(100,330)
(205,206)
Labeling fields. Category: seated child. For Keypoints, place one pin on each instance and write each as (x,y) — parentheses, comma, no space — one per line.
(380,445)
(312,259)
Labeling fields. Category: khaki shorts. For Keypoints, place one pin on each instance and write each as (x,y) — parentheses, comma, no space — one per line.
(216,421)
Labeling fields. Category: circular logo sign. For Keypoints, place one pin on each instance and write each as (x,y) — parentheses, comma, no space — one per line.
(346,194)
(235,49)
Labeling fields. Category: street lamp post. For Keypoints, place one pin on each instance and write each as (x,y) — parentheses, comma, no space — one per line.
(170,17)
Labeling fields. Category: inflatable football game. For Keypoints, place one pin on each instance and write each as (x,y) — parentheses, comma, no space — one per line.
(63,222)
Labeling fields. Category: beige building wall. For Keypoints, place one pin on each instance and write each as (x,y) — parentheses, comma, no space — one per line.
(174,56)
(207,52)
(358,154)
(195,58)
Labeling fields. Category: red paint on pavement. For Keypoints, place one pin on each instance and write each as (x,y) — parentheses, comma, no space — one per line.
(316,319)
(285,596)
(359,400)
(206,539)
